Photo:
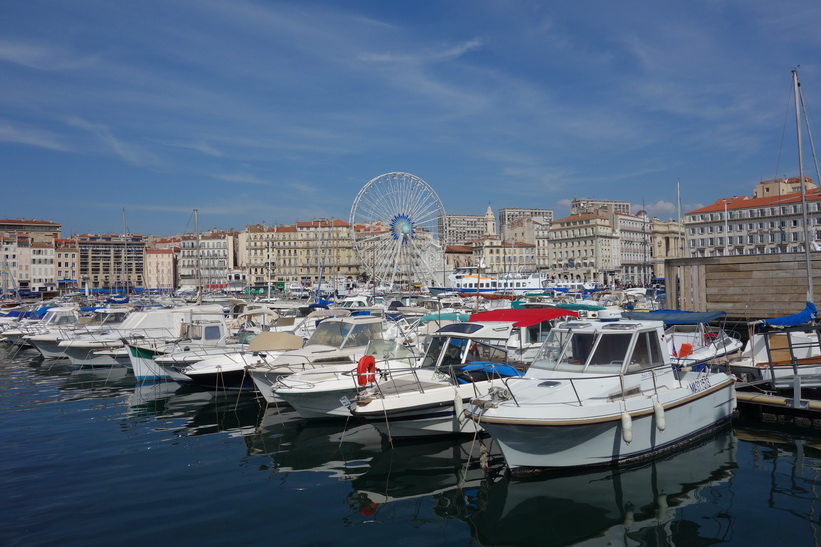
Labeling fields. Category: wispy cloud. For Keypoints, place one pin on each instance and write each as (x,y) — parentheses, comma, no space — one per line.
(127,152)
(31,137)
(42,56)
(196,146)
(424,56)
(246,178)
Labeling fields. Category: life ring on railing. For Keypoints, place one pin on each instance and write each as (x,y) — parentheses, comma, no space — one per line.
(366,370)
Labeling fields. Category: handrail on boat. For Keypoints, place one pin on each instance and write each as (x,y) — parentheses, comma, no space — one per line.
(573,380)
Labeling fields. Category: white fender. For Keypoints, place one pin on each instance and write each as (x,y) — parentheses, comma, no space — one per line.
(629,515)
(660,422)
(458,408)
(626,427)
(661,507)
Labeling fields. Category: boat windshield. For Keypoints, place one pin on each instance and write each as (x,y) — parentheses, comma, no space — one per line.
(456,351)
(389,350)
(434,350)
(569,351)
(59,318)
(341,334)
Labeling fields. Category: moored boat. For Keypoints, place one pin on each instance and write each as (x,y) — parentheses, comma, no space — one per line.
(602,392)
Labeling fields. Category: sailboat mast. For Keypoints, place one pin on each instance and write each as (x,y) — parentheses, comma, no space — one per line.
(199,267)
(807,257)
(125,254)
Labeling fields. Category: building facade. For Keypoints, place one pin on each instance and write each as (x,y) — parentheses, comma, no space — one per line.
(461,229)
(39,231)
(582,205)
(111,262)
(511,217)
(159,270)
(771,223)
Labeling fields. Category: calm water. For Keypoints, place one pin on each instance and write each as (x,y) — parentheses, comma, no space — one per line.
(90,458)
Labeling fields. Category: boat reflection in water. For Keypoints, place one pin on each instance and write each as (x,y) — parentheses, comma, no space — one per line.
(97,383)
(188,410)
(642,504)
(337,448)
(444,468)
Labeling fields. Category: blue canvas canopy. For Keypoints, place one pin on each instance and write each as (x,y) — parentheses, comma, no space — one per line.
(805,316)
(675,317)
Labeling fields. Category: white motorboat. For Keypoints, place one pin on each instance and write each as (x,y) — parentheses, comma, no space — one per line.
(335,341)
(100,321)
(55,318)
(156,326)
(323,392)
(228,370)
(601,392)
(463,361)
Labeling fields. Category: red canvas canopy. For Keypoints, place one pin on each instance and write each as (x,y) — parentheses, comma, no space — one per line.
(523,317)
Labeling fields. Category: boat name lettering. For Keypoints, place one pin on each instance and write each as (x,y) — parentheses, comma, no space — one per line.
(700,385)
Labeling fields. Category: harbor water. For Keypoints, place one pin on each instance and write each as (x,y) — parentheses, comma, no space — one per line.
(93,458)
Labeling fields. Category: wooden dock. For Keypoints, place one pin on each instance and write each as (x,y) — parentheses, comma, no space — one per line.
(801,408)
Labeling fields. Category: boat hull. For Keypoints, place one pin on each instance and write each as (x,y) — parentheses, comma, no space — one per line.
(424,414)
(147,370)
(49,349)
(319,405)
(229,380)
(96,356)
(559,443)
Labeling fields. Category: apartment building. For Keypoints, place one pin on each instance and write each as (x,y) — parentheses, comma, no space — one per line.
(111,262)
(770,221)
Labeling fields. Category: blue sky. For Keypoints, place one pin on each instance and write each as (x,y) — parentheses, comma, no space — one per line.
(261,111)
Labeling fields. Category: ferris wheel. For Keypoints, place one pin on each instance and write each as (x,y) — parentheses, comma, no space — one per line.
(395,224)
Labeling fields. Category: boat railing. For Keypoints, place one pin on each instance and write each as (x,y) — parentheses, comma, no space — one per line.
(800,352)
(392,380)
(575,381)
(454,375)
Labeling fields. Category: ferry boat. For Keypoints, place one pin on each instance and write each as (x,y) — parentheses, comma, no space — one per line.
(469,280)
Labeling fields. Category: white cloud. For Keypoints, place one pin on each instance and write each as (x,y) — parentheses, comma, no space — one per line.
(31,137)
(127,152)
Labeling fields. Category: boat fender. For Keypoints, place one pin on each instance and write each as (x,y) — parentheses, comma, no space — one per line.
(458,409)
(366,370)
(626,427)
(661,507)
(629,515)
(660,421)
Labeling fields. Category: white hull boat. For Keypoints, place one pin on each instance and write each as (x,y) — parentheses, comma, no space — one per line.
(602,392)
(337,341)
(326,392)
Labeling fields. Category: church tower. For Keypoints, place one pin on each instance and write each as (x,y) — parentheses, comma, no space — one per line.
(490,222)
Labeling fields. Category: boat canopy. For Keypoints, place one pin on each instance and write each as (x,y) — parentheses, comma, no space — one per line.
(809,314)
(447,316)
(523,317)
(675,317)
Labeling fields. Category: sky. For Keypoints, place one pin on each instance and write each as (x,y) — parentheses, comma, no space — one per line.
(123,116)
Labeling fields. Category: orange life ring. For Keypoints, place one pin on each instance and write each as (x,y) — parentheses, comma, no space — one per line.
(366,370)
